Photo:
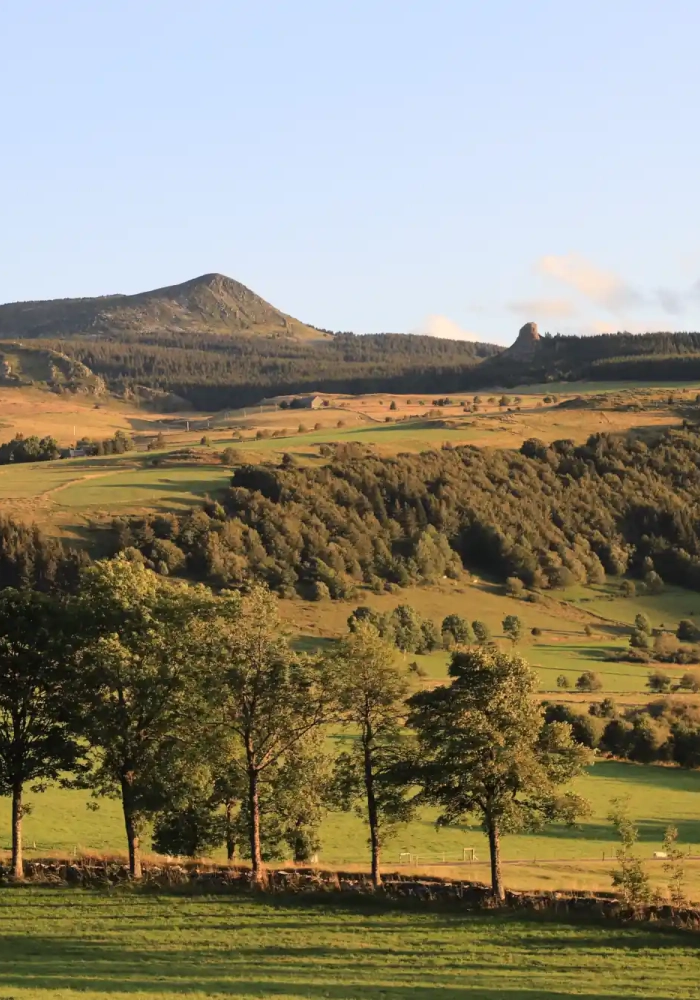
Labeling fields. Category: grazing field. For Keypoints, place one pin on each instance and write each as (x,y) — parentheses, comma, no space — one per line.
(62,944)
(563,647)
(60,822)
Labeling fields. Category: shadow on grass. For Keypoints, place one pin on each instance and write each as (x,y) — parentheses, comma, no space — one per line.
(668,779)
(335,970)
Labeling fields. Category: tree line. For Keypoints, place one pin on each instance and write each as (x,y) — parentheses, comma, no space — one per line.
(665,730)
(192,708)
(548,516)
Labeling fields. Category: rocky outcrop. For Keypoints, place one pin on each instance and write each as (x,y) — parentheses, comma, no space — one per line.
(526,344)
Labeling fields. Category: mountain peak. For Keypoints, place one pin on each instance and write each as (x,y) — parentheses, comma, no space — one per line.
(211,304)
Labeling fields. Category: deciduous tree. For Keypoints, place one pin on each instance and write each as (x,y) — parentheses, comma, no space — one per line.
(138,682)
(369,775)
(266,696)
(485,749)
(36,743)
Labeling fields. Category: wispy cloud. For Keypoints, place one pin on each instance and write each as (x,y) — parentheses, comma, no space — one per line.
(447,329)
(604,288)
(541,308)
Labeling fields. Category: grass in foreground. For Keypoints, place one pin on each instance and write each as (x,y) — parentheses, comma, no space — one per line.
(61,943)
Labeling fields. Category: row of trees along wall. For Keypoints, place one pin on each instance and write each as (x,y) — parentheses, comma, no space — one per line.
(192,709)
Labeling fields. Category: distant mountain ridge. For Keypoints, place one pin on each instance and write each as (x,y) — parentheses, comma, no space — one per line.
(210,303)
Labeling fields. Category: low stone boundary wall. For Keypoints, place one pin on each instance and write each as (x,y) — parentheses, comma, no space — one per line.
(427,890)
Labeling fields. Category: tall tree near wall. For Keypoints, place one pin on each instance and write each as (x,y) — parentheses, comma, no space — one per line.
(36,744)
(372,698)
(267,697)
(138,683)
(485,750)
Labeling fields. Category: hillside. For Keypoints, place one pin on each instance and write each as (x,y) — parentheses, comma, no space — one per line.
(211,304)
(215,344)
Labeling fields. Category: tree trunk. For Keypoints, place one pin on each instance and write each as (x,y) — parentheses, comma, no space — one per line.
(254,809)
(495,851)
(372,815)
(132,830)
(17,858)
(230,839)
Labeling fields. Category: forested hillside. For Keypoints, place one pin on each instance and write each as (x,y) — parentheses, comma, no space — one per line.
(214,372)
(549,515)
(217,344)
(610,356)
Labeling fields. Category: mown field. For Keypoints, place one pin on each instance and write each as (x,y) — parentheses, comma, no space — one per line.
(62,944)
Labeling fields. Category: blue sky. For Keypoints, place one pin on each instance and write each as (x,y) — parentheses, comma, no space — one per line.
(369,165)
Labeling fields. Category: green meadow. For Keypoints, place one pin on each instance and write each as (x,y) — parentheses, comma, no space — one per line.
(64,944)
(65,822)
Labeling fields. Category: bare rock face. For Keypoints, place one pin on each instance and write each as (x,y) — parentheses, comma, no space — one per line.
(526,342)
(528,334)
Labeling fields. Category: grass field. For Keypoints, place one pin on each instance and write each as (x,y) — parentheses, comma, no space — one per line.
(63,944)
(61,823)
(562,648)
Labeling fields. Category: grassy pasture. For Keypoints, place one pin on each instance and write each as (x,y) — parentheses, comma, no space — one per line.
(60,822)
(666,608)
(562,648)
(69,943)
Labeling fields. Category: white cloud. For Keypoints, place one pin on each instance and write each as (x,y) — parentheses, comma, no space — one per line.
(604,288)
(446,329)
(550,308)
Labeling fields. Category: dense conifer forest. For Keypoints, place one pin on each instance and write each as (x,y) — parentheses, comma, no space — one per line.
(215,372)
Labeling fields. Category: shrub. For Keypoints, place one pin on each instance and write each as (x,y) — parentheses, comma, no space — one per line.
(536,631)
(687,631)
(231,456)
(320,591)
(640,640)
(642,623)
(482,633)
(456,631)
(514,587)
(589,681)
(193,831)
(616,737)
(690,681)
(658,681)
(628,588)
(563,681)
(605,709)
